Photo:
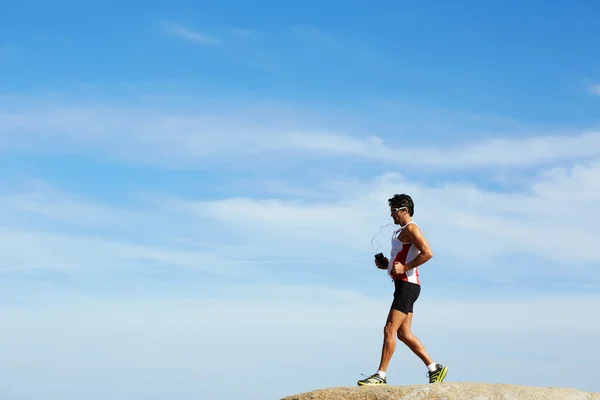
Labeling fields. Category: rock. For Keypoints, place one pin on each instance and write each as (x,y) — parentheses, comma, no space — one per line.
(446,391)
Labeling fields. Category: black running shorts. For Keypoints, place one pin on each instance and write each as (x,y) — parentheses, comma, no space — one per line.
(405,295)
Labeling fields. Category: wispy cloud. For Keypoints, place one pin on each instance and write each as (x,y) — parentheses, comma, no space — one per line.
(501,152)
(187,33)
(183,139)
(44,201)
(492,222)
(452,213)
(594,89)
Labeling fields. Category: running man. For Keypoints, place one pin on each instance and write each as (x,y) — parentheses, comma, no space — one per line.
(409,250)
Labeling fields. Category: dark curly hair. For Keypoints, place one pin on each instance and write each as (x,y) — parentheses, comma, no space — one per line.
(402,200)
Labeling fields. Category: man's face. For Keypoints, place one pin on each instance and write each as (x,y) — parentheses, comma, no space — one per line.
(397,213)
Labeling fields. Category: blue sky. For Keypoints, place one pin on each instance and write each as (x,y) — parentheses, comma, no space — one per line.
(190,190)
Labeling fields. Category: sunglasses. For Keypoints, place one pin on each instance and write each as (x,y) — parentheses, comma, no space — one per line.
(395,210)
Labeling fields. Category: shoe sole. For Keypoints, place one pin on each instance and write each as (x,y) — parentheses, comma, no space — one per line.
(370,384)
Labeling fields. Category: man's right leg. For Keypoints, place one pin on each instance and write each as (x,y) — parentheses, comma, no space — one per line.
(393,323)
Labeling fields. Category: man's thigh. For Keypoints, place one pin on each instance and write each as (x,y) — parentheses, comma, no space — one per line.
(395,319)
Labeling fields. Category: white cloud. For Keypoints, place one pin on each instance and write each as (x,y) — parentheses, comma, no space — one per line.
(332,221)
(77,235)
(552,220)
(81,255)
(595,89)
(160,136)
(185,32)
(544,232)
(42,200)
(521,152)
(560,206)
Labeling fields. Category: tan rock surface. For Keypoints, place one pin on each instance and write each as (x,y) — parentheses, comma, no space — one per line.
(446,391)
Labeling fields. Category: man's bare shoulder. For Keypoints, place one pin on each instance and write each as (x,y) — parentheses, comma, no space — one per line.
(414,231)
(413,228)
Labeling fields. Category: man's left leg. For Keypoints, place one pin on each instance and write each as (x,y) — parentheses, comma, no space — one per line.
(412,342)
(437,372)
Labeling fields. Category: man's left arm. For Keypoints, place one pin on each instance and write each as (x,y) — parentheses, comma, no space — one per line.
(421,244)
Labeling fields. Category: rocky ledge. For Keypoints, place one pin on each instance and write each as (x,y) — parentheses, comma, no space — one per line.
(446,391)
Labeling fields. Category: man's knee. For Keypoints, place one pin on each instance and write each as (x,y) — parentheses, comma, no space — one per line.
(405,337)
(388,330)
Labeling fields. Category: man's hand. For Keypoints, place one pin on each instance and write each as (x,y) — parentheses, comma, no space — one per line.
(382,265)
(398,268)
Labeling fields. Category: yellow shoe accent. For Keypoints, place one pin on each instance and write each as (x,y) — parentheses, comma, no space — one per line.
(438,375)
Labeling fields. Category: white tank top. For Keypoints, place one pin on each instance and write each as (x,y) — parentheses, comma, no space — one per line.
(403,253)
